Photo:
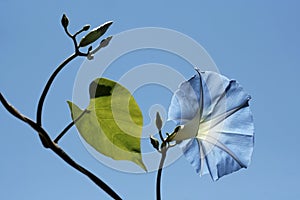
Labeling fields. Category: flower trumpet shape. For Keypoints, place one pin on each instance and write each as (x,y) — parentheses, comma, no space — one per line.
(216,130)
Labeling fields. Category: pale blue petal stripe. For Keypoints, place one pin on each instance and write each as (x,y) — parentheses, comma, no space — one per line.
(229,145)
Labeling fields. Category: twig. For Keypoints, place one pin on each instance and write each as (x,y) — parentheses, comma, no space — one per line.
(52,77)
(68,127)
(47,87)
(37,126)
(57,150)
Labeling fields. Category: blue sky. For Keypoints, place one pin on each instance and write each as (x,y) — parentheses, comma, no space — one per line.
(255,42)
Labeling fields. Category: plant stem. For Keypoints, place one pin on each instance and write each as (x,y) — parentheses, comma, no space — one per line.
(160,135)
(46,89)
(57,150)
(68,127)
(158,178)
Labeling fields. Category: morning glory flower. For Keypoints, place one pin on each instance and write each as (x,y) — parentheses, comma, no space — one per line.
(216,130)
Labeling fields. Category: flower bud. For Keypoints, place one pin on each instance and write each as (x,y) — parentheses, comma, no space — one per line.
(64,21)
(158,121)
(86,27)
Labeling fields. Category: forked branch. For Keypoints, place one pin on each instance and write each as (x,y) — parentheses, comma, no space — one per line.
(56,149)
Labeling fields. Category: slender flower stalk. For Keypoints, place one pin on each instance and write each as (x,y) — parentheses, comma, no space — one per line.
(165,145)
(159,173)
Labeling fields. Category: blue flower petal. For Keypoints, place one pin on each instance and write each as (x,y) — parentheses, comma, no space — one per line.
(223,141)
(195,155)
(185,101)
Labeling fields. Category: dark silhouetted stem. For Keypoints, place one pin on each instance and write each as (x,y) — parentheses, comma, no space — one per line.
(46,89)
(57,150)
(160,135)
(158,178)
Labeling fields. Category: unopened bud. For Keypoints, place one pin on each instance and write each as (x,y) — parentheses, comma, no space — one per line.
(86,27)
(64,21)
(105,42)
(158,121)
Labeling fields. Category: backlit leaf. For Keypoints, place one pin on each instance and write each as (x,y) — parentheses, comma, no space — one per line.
(113,125)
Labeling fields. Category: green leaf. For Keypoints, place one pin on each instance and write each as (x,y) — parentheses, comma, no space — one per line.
(94,34)
(113,125)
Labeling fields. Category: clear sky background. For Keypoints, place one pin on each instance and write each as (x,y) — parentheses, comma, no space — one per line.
(255,42)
